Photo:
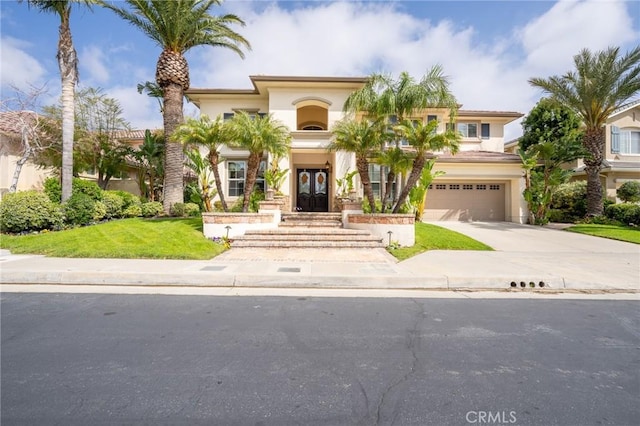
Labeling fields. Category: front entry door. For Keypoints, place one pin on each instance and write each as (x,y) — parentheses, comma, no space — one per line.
(312,194)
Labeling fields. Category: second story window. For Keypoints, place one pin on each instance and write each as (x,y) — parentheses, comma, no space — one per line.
(468,130)
(625,141)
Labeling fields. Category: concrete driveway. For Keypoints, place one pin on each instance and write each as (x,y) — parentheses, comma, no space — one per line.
(529,254)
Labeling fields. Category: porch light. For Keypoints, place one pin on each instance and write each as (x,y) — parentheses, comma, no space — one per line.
(327,166)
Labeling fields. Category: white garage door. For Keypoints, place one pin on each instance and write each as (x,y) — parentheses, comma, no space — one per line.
(465,201)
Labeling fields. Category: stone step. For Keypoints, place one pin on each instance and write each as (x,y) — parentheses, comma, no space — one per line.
(311,224)
(315,237)
(312,232)
(306,244)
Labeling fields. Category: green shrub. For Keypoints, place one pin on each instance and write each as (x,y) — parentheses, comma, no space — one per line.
(627,213)
(185,210)
(254,200)
(113,204)
(53,189)
(128,199)
(79,209)
(629,192)
(87,187)
(134,210)
(571,199)
(99,211)
(28,211)
(151,209)
(237,206)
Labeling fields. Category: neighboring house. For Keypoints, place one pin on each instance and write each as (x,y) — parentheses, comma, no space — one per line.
(622,150)
(482,182)
(127,180)
(12,125)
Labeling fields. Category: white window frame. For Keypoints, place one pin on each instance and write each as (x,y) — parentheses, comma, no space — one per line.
(626,141)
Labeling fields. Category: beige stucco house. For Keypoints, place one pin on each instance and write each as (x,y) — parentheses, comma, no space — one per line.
(622,150)
(482,182)
(12,126)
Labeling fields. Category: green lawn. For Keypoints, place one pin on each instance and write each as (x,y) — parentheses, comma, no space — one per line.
(182,239)
(431,237)
(126,238)
(614,232)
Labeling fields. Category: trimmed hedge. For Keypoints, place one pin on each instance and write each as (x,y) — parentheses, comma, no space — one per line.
(79,209)
(627,213)
(152,209)
(113,203)
(53,189)
(185,210)
(629,192)
(28,211)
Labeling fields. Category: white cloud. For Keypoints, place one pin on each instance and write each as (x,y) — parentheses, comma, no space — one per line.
(92,59)
(17,67)
(141,111)
(349,38)
(551,40)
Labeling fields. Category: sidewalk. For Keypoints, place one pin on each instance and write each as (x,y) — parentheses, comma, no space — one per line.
(596,265)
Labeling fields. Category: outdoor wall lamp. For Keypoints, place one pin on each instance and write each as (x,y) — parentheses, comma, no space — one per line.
(327,166)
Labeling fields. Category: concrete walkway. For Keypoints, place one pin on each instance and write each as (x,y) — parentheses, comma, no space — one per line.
(551,258)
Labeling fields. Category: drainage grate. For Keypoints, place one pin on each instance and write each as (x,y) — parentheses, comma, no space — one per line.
(288,269)
(213,268)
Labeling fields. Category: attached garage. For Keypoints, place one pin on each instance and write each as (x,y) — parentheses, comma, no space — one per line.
(466,201)
(477,186)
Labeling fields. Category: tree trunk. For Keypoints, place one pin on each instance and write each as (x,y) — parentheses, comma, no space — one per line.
(214,157)
(391,176)
(363,170)
(173,189)
(253,164)
(152,189)
(68,64)
(416,171)
(594,142)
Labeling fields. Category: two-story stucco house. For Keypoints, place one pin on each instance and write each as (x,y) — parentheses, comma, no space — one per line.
(482,182)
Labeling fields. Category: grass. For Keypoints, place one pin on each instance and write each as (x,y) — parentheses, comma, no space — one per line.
(431,237)
(137,238)
(182,239)
(614,232)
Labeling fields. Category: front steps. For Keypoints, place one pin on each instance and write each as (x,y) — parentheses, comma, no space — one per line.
(308,230)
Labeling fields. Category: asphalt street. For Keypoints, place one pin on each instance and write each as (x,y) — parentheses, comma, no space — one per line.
(87,359)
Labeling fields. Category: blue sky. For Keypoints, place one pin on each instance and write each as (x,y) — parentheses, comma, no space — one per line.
(488,48)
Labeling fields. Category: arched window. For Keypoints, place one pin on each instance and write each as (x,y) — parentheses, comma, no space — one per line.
(312,113)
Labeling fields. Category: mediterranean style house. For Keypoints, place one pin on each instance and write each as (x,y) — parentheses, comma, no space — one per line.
(481,182)
(622,151)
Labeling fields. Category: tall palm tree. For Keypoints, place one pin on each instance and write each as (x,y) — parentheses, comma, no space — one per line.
(422,138)
(258,135)
(601,83)
(211,135)
(384,97)
(364,139)
(177,26)
(68,65)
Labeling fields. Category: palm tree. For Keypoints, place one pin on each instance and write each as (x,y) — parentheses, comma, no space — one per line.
(383,97)
(177,26)
(397,161)
(150,156)
(258,135)
(68,65)
(422,138)
(601,83)
(364,139)
(209,134)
